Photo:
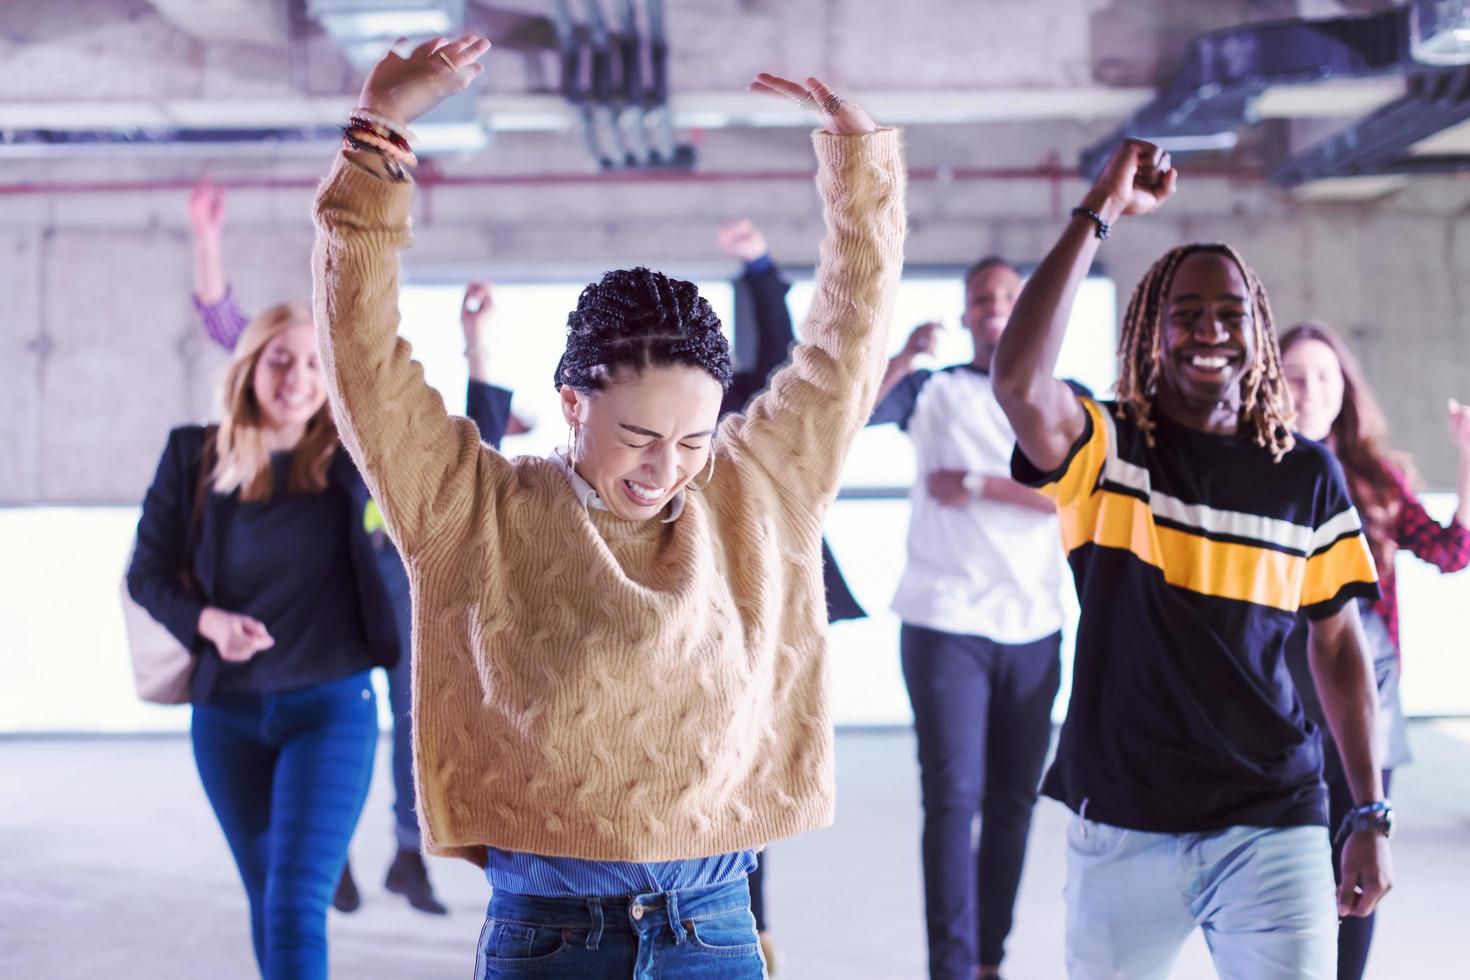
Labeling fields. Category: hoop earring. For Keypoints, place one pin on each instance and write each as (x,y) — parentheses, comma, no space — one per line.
(690,485)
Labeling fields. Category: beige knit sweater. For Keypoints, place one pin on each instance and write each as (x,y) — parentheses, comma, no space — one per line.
(590,687)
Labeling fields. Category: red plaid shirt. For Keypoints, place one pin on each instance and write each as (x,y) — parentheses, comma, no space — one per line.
(1447,547)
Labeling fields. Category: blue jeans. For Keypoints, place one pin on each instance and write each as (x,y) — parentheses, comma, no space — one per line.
(1263,896)
(698,934)
(982,715)
(287,775)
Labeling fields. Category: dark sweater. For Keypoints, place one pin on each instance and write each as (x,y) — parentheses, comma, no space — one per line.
(281,563)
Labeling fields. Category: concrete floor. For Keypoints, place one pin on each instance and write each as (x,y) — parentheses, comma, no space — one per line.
(111,865)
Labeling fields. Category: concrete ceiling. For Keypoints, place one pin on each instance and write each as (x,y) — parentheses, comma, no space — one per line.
(187,64)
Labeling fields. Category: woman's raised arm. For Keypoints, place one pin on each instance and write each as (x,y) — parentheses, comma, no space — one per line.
(420,464)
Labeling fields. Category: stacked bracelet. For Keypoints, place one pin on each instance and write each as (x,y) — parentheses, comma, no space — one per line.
(352,140)
(386,126)
(399,154)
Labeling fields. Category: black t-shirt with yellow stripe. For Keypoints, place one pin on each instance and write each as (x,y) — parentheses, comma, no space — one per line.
(1193,558)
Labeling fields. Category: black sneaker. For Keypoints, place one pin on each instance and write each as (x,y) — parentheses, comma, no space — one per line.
(347,898)
(408,877)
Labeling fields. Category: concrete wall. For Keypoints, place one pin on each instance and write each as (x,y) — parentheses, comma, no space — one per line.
(100,354)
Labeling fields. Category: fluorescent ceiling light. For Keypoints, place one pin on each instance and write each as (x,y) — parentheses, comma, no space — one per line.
(450,137)
(1439,32)
(1195,143)
(388,23)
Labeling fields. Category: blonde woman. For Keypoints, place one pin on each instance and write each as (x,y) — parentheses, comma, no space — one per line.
(620,684)
(273,585)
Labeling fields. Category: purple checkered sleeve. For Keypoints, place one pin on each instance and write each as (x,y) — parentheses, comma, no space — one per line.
(223,320)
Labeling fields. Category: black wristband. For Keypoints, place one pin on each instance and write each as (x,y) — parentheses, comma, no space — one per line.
(1377,817)
(1103,228)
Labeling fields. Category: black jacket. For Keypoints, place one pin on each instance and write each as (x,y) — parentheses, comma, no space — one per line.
(153,576)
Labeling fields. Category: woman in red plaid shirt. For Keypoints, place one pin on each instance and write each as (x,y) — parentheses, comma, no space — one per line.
(1335,406)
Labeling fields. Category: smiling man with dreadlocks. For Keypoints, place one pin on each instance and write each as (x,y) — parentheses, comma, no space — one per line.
(1197,528)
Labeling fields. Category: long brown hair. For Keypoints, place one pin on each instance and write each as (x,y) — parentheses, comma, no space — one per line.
(1265,405)
(243,459)
(1359,438)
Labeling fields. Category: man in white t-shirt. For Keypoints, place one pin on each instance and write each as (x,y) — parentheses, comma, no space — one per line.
(980,601)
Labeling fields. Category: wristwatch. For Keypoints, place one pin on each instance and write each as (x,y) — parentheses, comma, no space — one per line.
(1377,817)
(974,484)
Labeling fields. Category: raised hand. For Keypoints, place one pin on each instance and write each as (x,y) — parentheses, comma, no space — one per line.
(405,88)
(237,637)
(207,209)
(1459,421)
(1137,179)
(924,340)
(474,316)
(839,116)
(743,240)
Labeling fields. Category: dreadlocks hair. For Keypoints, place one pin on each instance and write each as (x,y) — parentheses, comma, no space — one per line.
(638,318)
(1265,400)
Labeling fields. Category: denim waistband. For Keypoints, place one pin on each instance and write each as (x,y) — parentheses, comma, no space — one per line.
(626,913)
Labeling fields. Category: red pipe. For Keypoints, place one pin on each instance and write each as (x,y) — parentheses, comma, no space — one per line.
(1051,172)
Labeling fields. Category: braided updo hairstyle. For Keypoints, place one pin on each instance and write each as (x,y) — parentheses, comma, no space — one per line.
(638,318)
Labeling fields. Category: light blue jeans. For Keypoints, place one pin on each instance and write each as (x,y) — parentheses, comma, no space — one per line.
(1264,897)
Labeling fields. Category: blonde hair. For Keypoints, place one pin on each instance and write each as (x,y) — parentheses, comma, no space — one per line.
(242,459)
(1265,401)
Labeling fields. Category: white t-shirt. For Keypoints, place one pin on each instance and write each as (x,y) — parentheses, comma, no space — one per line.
(984,568)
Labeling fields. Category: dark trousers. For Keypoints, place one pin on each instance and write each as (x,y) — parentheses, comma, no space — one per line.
(982,714)
(1354,933)
(758,891)
(287,775)
(400,700)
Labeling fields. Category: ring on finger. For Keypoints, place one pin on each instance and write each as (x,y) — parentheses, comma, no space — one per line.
(832,104)
(806,102)
(447,60)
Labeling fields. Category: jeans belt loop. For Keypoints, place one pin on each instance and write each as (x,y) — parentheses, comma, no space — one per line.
(594,915)
(672,899)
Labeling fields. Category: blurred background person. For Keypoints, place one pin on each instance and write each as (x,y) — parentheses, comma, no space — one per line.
(278,595)
(981,605)
(486,404)
(1335,406)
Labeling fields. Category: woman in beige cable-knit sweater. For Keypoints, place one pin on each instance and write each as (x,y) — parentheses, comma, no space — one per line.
(620,680)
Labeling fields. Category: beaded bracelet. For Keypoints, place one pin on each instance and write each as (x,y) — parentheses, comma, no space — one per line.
(1103,229)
